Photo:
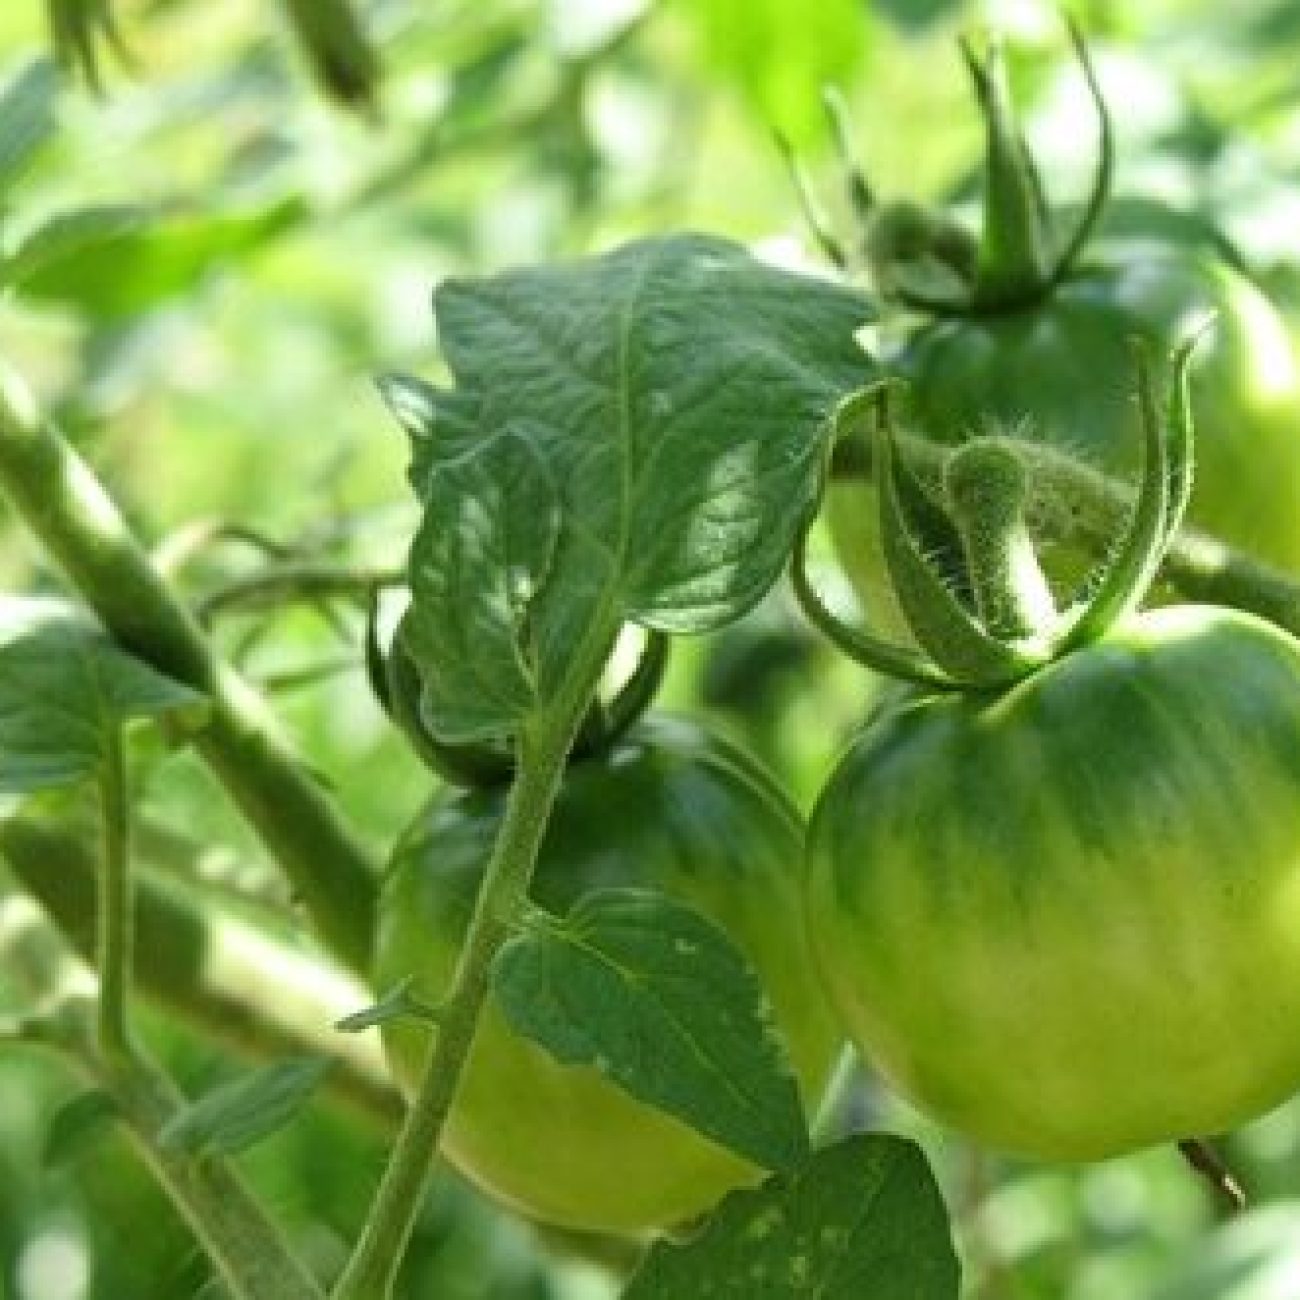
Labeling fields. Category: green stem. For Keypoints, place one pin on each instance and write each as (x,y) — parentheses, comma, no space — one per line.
(861,198)
(954,640)
(297,580)
(205,966)
(543,745)
(1207,1162)
(1072,500)
(987,489)
(240,1241)
(246,1248)
(115,913)
(68,509)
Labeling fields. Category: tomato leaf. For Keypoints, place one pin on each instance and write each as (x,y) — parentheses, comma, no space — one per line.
(76,1125)
(238,1114)
(118,260)
(64,687)
(491,517)
(657,998)
(861,1218)
(674,396)
(398,1003)
(26,118)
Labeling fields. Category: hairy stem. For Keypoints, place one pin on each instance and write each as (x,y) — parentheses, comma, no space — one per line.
(241,1242)
(246,1248)
(987,489)
(543,745)
(68,509)
(1071,500)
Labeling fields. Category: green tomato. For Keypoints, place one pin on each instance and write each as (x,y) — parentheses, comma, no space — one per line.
(1065,919)
(669,809)
(1060,371)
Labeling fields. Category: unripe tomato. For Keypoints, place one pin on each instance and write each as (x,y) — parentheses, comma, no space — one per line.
(1066,359)
(669,808)
(1065,918)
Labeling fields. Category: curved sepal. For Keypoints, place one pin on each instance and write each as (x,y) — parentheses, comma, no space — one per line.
(1132,567)
(1103,175)
(873,652)
(1181,433)
(637,693)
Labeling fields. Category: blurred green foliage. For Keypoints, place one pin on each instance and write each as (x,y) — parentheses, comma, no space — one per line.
(204,264)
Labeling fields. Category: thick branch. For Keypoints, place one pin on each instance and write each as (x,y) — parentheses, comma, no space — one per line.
(68,509)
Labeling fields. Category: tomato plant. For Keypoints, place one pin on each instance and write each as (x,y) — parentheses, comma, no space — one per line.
(668,808)
(584,1026)
(1026,329)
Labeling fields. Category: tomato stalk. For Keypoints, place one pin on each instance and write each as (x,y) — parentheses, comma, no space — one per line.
(987,488)
(1207,1162)
(249,1254)
(961,647)
(1073,503)
(542,748)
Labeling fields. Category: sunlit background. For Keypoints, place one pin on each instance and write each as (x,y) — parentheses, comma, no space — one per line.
(215,363)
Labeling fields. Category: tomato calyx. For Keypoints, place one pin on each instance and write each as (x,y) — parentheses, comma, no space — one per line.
(926,261)
(485,765)
(1021,255)
(966,572)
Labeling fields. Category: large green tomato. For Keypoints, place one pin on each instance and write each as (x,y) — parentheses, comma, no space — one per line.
(1059,370)
(1065,918)
(670,809)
